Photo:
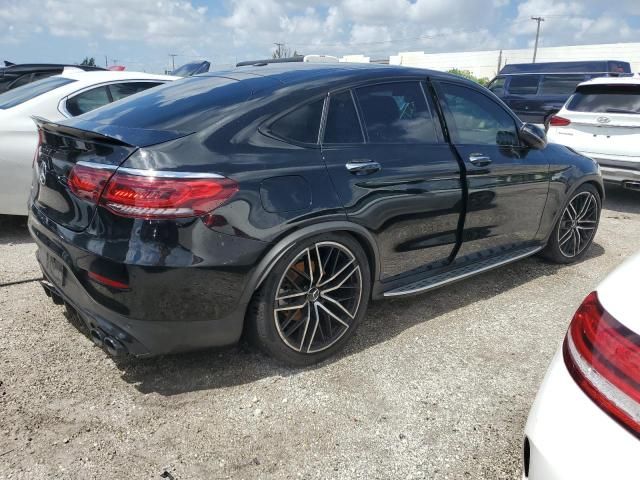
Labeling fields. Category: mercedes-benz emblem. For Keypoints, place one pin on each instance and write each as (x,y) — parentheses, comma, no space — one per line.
(603,119)
(42,172)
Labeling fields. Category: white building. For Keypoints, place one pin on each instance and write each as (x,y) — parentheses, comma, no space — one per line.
(487,63)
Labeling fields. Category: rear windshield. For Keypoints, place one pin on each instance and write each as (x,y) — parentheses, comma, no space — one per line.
(27,92)
(619,99)
(187,105)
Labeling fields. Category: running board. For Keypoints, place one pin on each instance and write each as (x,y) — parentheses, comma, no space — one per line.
(461,272)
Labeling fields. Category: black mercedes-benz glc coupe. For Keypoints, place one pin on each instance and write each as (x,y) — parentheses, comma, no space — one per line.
(276,201)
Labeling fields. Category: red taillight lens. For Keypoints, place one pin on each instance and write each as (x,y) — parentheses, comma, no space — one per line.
(557,121)
(603,357)
(109,282)
(148,195)
(88,182)
(156,197)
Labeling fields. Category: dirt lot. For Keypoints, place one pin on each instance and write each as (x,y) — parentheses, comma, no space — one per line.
(435,386)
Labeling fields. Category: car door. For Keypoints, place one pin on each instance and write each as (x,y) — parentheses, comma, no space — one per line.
(394,173)
(507,182)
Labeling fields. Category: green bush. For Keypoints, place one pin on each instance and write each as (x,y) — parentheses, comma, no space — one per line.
(484,81)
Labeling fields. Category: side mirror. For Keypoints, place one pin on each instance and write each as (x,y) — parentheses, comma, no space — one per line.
(533,136)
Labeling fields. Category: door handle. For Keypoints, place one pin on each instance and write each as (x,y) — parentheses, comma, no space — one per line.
(363,166)
(479,160)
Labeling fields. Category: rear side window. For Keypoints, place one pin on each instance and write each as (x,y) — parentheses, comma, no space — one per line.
(396,113)
(560,84)
(342,124)
(87,101)
(122,90)
(475,119)
(300,125)
(524,84)
(30,91)
(607,99)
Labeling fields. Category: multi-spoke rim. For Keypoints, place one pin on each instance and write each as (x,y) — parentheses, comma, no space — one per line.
(318,297)
(578,224)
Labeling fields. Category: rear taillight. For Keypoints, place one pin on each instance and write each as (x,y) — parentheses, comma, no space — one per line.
(557,121)
(88,182)
(151,195)
(603,357)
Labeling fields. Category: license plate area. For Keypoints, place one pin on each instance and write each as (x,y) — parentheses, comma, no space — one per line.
(55,269)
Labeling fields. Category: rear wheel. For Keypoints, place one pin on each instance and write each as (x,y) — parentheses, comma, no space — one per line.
(576,227)
(312,301)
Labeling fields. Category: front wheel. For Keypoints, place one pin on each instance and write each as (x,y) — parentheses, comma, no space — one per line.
(576,227)
(312,301)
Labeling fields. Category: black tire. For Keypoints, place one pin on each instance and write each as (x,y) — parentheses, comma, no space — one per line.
(275,324)
(566,234)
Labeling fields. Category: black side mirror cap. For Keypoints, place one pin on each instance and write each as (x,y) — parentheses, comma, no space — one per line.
(533,136)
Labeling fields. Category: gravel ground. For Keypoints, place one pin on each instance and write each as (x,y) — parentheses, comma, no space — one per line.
(434,386)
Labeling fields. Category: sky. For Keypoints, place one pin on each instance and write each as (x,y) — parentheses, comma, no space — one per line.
(142,33)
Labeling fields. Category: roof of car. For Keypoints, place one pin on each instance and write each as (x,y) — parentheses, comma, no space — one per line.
(635,80)
(293,72)
(109,76)
(43,67)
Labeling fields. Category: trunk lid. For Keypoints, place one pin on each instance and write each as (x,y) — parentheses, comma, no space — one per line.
(62,146)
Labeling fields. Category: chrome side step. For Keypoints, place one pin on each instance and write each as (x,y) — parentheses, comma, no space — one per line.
(461,272)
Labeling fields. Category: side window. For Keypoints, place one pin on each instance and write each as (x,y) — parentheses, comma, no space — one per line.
(342,120)
(301,124)
(497,86)
(86,101)
(396,113)
(122,90)
(524,84)
(474,118)
(560,84)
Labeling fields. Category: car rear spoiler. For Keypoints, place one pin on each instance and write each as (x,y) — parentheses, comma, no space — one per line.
(108,133)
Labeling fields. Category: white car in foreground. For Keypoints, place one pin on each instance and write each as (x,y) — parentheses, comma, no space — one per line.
(72,93)
(602,120)
(585,421)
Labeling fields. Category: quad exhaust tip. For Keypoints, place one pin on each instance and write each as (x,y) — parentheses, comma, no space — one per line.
(113,347)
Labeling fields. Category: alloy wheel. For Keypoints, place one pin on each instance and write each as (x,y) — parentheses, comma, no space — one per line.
(318,297)
(578,224)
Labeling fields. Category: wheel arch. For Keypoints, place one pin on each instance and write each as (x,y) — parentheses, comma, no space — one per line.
(269,260)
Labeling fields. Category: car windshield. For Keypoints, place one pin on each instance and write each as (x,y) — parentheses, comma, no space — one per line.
(27,92)
(607,99)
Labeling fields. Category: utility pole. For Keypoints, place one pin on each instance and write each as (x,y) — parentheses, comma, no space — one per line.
(499,62)
(279,50)
(173,61)
(106,62)
(535,49)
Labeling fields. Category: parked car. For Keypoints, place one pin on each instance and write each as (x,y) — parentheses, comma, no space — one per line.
(585,421)
(53,98)
(602,121)
(14,76)
(535,91)
(192,68)
(278,200)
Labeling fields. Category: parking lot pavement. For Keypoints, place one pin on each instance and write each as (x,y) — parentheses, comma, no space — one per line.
(434,386)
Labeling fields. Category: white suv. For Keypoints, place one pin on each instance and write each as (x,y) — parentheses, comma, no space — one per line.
(602,120)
